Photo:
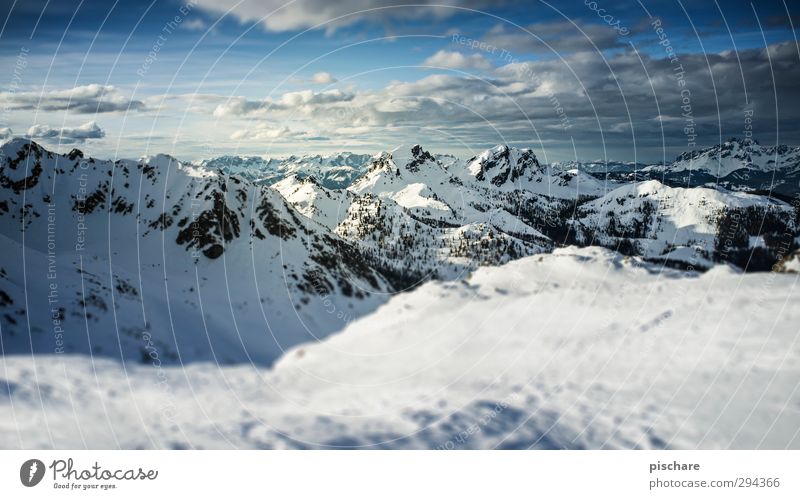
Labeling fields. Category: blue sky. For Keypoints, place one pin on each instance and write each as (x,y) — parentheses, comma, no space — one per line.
(267,77)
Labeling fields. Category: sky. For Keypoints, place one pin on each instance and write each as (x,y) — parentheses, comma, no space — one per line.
(623,80)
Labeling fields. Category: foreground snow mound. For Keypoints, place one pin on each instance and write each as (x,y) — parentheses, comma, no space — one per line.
(582,348)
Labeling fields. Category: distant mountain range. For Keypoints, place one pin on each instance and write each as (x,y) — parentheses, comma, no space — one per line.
(737,165)
(334,172)
(237,260)
(599,167)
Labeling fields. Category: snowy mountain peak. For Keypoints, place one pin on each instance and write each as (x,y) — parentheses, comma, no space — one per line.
(646,188)
(502,164)
(15,143)
(159,160)
(18,146)
(75,153)
(412,159)
(400,159)
(744,142)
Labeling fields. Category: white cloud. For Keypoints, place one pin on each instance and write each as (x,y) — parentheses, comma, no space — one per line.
(5,133)
(323,78)
(262,132)
(622,94)
(195,24)
(78,134)
(457,60)
(300,101)
(292,99)
(86,99)
(191,102)
(397,105)
(267,132)
(279,15)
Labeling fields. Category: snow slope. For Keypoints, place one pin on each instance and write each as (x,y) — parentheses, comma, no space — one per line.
(100,255)
(582,348)
(309,197)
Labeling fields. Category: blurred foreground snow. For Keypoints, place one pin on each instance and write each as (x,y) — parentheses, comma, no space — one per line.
(582,348)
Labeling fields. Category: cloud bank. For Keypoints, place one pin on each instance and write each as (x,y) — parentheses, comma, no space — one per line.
(280,16)
(457,60)
(624,98)
(87,99)
(67,135)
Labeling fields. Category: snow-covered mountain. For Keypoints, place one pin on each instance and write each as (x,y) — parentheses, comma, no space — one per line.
(415,216)
(737,164)
(309,197)
(126,258)
(582,348)
(512,169)
(251,167)
(686,226)
(173,267)
(121,257)
(334,171)
(735,154)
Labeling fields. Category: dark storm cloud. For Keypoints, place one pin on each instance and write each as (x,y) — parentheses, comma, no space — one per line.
(560,37)
(626,98)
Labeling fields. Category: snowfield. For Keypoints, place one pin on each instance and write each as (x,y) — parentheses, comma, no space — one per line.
(581,348)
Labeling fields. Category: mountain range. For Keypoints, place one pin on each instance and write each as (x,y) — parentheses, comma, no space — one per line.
(736,164)
(334,172)
(240,262)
